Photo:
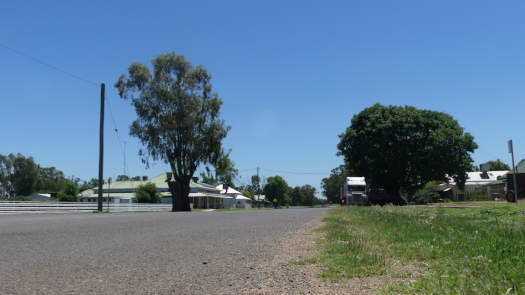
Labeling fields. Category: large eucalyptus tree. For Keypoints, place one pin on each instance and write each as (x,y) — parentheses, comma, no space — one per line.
(177,118)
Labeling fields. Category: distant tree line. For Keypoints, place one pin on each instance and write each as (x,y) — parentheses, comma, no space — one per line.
(331,185)
(21,176)
(276,189)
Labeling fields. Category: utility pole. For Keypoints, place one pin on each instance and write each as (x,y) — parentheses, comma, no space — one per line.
(101,148)
(125,170)
(511,151)
(258,187)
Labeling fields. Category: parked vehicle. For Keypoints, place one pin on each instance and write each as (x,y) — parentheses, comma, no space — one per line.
(354,191)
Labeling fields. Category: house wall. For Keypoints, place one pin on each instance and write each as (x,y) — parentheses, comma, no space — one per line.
(243,204)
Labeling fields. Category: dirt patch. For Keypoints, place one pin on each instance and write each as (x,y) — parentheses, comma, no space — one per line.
(292,271)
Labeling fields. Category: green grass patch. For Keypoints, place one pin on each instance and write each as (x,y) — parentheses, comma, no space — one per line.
(454,251)
(305,261)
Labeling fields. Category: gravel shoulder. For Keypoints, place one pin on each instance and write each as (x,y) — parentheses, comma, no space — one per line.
(283,275)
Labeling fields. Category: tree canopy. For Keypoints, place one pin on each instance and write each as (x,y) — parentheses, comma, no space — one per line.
(69,193)
(400,149)
(331,185)
(497,165)
(177,118)
(277,188)
(148,193)
(225,171)
(22,176)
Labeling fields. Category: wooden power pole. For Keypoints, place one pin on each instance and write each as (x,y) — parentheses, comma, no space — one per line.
(101,148)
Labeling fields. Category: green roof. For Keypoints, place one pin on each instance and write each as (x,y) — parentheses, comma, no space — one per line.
(159,181)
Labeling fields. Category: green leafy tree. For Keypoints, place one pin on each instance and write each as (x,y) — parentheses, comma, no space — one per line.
(308,195)
(122,178)
(225,171)
(296,197)
(427,194)
(401,148)
(148,193)
(92,183)
(497,165)
(248,194)
(256,185)
(178,118)
(25,174)
(52,180)
(331,185)
(7,189)
(69,193)
(277,188)
(253,187)
(21,176)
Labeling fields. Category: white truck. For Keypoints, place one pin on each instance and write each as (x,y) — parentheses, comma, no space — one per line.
(353,191)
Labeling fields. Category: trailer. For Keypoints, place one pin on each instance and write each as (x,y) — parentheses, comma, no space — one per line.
(354,191)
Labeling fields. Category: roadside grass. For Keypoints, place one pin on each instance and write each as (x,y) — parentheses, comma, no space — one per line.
(445,250)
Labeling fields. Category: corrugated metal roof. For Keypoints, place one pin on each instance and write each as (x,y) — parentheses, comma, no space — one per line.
(480,178)
(129,187)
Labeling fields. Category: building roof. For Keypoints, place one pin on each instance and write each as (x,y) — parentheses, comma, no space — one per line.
(230,190)
(481,178)
(126,189)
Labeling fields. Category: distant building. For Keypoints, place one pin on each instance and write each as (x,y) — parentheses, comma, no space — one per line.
(236,200)
(39,197)
(201,195)
(489,183)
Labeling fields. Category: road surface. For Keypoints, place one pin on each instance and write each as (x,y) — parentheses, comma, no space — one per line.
(142,253)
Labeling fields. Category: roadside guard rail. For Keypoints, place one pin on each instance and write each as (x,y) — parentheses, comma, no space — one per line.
(7,207)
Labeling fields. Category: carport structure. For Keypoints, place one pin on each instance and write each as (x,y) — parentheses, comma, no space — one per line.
(205,200)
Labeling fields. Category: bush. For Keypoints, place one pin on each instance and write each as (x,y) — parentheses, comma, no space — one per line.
(428,194)
(19,198)
(69,193)
(148,193)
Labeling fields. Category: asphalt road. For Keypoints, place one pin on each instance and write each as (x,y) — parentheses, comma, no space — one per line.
(141,253)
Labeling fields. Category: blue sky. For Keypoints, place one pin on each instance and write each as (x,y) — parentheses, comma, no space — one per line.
(291,74)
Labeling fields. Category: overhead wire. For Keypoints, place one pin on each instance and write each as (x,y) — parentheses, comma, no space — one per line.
(293,172)
(35,59)
(108,102)
(74,76)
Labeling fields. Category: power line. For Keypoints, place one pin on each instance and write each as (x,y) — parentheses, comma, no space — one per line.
(285,172)
(294,172)
(56,68)
(244,170)
(122,143)
(35,59)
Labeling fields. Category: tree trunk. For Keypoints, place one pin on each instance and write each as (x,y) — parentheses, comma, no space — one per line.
(180,189)
(395,196)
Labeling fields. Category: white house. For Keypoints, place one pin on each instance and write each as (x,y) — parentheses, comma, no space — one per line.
(236,198)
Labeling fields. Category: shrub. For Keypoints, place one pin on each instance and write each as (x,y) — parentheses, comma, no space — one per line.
(428,194)
(69,193)
(19,198)
(147,193)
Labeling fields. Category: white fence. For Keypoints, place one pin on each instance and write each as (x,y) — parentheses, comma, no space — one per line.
(7,207)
